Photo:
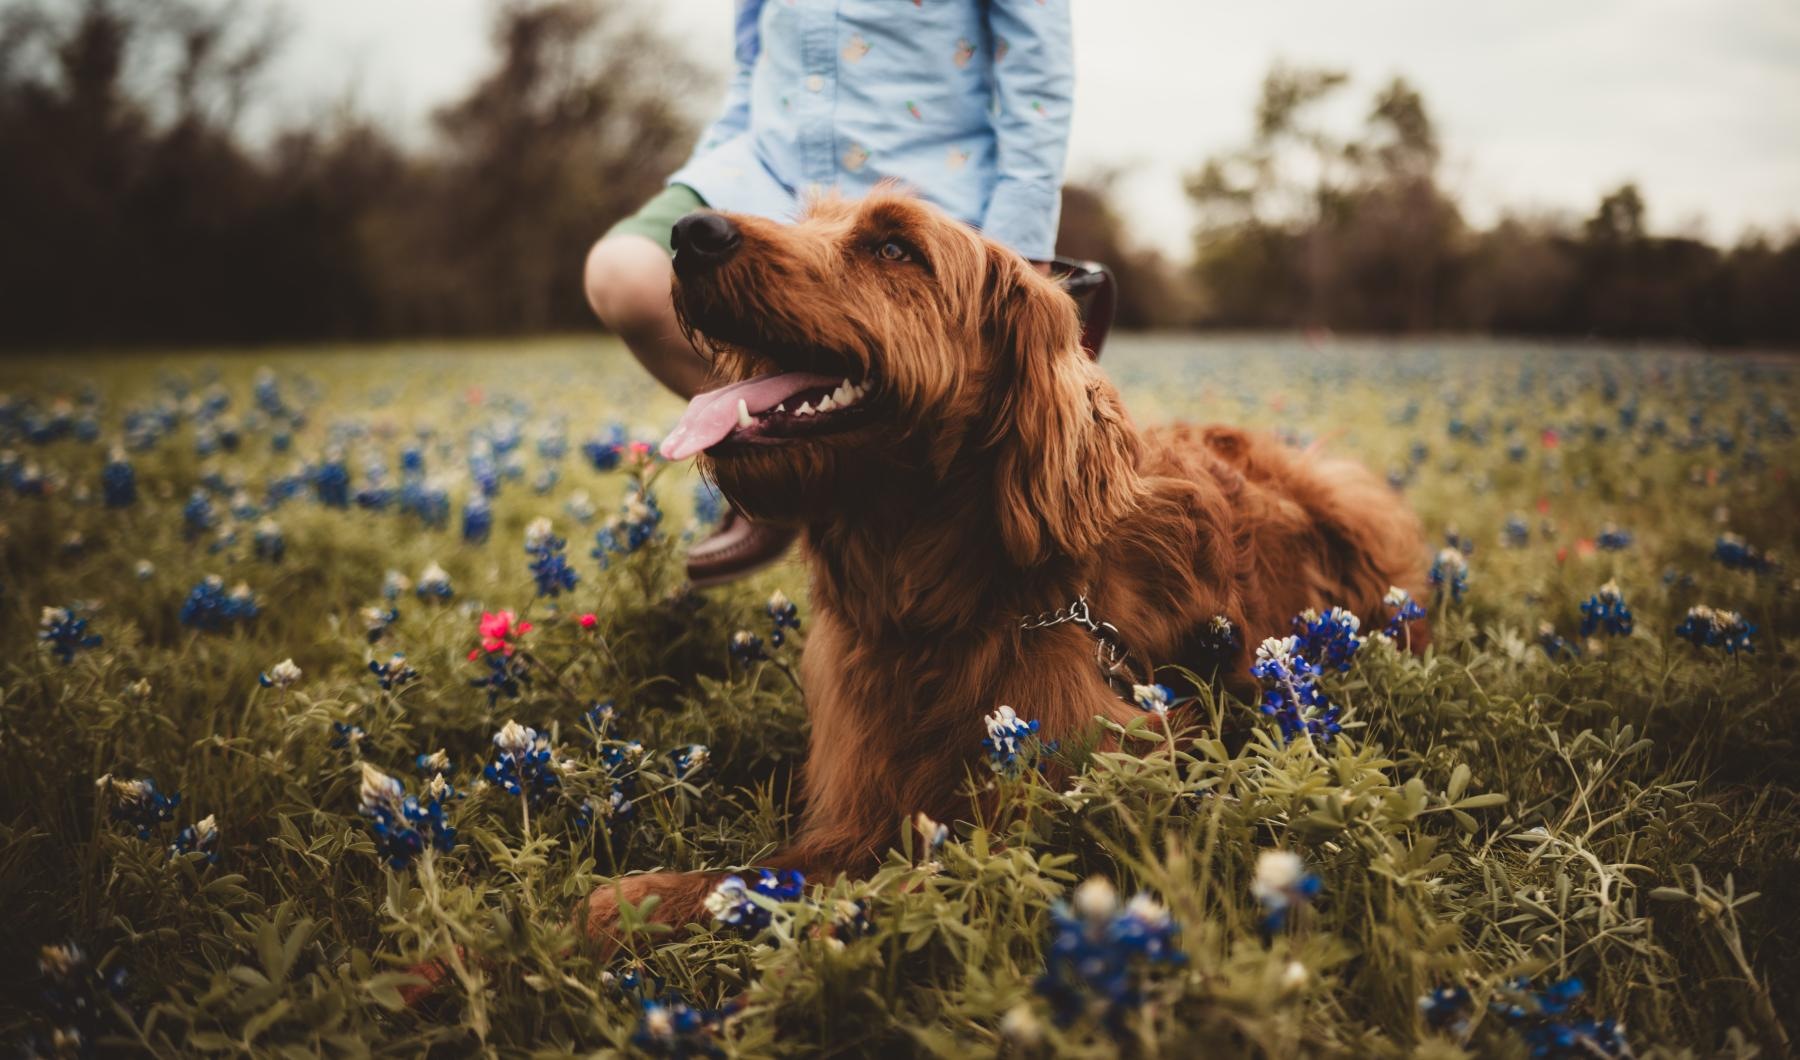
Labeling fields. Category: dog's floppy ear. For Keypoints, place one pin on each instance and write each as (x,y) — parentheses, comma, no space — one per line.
(1066,455)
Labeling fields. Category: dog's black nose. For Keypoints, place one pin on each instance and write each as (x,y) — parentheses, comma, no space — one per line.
(704,238)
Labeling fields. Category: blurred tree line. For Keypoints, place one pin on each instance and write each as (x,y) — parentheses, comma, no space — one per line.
(135,210)
(1306,228)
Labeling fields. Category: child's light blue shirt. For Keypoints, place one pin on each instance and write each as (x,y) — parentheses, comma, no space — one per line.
(966,102)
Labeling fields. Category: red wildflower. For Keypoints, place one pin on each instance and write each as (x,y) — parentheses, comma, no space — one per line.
(588,621)
(496,628)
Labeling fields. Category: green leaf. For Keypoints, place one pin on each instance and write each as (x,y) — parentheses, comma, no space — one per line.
(1459,781)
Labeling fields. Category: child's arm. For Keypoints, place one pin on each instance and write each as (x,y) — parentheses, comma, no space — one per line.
(1034,80)
(736,116)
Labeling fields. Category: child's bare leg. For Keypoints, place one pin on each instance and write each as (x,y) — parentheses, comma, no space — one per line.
(627,280)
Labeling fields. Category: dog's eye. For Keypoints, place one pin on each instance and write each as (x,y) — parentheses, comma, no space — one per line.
(894,250)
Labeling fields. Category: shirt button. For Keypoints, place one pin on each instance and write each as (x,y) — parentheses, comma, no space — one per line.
(815,83)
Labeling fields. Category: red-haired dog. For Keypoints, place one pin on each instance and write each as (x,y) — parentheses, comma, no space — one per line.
(916,398)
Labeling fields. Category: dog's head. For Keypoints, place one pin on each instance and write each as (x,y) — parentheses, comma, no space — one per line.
(878,346)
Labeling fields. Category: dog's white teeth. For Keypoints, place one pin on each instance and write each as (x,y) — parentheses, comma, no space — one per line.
(826,404)
(781,407)
(744,418)
(806,409)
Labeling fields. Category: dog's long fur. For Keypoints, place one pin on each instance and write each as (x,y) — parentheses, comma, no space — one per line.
(999,476)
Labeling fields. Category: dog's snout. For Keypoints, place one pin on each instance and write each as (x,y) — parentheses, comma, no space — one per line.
(704,238)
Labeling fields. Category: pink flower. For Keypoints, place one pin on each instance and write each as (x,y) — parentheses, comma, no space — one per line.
(588,621)
(496,627)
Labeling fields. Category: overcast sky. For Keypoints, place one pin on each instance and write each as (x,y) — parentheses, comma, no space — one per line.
(1541,104)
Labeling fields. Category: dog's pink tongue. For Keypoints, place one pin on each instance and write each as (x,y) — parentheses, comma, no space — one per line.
(711,416)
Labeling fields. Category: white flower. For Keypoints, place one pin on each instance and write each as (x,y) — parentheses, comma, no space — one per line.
(1001,722)
(934,833)
(580,506)
(1277,873)
(1147,910)
(778,601)
(284,673)
(434,579)
(727,896)
(1096,899)
(1021,1025)
(514,738)
(439,787)
(1153,698)
(1452,560)
(658,1023)
(145,569)
(1276,648)
(52,616)
(1609,591)
(379,790)
(1294,976)
(538,534)
(437,761)
(124,792)
(61,961)
(206,831)
(393,583)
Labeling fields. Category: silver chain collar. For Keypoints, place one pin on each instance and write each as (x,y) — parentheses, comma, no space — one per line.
(1110,649)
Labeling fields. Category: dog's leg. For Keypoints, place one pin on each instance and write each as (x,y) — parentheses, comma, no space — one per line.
(864,781)
(681,900)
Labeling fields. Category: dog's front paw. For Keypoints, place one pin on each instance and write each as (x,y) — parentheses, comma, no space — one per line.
(680,899)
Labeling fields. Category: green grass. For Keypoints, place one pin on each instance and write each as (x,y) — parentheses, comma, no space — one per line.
(1628,817)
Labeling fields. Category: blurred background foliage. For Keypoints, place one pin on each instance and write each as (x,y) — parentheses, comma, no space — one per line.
(138,211)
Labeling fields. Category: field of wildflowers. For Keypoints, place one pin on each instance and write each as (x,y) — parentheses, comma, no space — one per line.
(320,667)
